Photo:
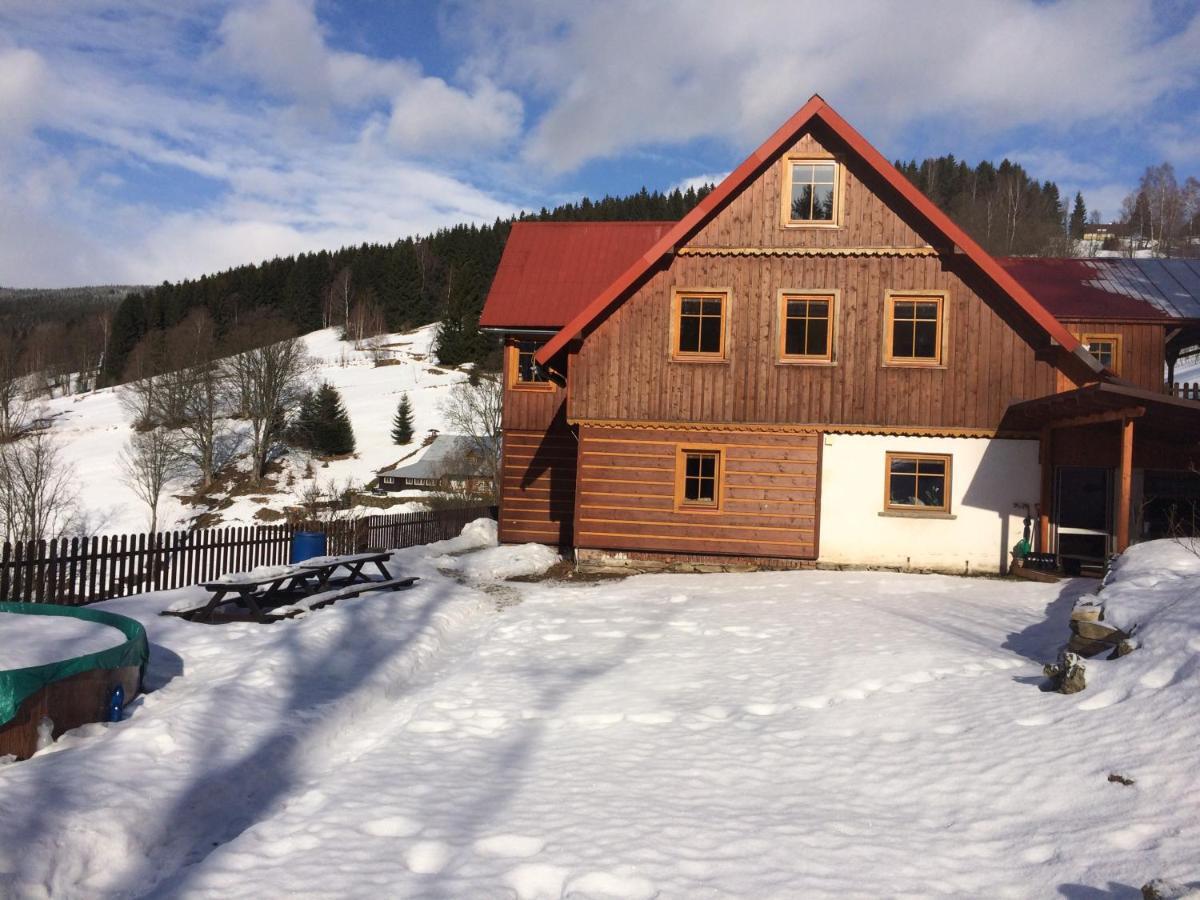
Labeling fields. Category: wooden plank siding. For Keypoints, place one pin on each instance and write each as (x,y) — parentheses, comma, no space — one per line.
(623,370)
(769,496)
(530,410)
(1143,350)
(752,218)
(537,491)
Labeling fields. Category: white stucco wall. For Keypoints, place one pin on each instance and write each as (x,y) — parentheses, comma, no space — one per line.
(987,478)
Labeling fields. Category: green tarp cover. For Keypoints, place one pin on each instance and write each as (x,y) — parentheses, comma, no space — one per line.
(17,684)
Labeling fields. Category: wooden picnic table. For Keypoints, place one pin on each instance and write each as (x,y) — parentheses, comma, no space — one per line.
(323,567)
(312,576)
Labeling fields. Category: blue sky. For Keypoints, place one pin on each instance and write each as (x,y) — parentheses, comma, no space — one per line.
(142,140)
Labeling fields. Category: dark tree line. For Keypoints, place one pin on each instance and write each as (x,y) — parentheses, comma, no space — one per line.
(368,289)
(1002,207)
(47,336)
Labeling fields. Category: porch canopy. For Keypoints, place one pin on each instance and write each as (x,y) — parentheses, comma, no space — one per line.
(1168,428)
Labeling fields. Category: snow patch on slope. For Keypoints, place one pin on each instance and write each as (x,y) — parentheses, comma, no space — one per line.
(94,428)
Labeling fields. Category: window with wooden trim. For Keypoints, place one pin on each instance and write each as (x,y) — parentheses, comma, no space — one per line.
(523,372)
(806,327)
(914,329)
(701,321)
(698,478)
(1106,348)
(917,482)
(810,192)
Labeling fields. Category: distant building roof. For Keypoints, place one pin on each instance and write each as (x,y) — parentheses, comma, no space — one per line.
(1112,287)
(446,451)
(552,270)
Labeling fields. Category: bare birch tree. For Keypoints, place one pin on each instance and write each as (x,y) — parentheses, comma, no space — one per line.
(149,462)
(474,411)
(38,490)
(269,381)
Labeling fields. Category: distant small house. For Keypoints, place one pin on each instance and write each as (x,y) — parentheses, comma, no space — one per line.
(451,461)
(1102,232)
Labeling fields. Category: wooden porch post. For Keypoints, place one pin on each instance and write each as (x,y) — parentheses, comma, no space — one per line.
(1046,447)
(1125,485)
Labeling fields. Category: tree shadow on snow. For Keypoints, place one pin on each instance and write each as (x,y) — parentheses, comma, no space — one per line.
(499,782)
(1114,891)
(233,787)
(1042,640)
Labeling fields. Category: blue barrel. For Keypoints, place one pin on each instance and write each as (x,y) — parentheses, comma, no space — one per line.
(307,544)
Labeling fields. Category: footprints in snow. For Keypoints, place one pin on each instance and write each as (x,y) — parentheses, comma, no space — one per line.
(530,880)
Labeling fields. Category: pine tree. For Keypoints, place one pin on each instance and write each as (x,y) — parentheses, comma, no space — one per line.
(1078,217)
(402,424)
(303,431)
(332,433)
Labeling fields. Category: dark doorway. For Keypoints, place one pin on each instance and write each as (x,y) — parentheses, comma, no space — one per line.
(1171,505)
(1083,513)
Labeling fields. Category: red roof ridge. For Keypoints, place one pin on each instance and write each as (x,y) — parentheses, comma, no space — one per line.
(784,136)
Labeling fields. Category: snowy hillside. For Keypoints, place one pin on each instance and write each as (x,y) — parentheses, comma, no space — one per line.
(94,428)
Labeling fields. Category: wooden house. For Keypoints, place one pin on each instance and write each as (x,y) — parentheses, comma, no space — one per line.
(817,365)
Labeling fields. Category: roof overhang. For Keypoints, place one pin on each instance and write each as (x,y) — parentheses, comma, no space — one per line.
(1168,418)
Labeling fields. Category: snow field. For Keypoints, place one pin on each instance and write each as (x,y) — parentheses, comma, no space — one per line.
(93,430)
(39,640)
(811,734)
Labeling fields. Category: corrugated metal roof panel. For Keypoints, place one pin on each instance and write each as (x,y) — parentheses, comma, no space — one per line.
(1111,287)
(551,270)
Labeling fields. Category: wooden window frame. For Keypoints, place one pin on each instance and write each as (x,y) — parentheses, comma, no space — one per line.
(513,368)
(933,511)
(677,295)
(1115,339)
(794,359)
(890,299)
(785,194)
(692,506)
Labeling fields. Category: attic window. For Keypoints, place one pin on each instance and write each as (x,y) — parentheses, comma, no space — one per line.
(810,192)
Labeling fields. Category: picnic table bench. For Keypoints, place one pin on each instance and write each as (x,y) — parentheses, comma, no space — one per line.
(308,579)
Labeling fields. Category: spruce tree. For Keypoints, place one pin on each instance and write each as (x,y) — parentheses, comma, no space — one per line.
(1078,217)
(304,428)
(402,424)
(332,433)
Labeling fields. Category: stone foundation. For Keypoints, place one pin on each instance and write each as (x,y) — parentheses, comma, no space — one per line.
(633,562)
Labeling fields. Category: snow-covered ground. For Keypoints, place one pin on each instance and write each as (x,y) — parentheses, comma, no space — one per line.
(800,734)
(94,428)
(40,640)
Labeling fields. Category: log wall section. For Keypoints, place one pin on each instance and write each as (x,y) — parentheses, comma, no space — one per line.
(537,491)
(623,370)
(626,493)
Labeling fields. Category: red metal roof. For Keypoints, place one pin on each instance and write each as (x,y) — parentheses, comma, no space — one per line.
(551,270)
(815,109)
(1118,289)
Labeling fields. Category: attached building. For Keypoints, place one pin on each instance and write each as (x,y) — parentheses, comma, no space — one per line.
(815,364)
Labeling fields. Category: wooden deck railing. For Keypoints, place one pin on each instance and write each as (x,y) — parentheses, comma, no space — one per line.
(76,571)
(1186,390)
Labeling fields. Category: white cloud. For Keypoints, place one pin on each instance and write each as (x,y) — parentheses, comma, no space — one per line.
(626,74)
(329,153)
(699,181)
(433,116)
(23,80)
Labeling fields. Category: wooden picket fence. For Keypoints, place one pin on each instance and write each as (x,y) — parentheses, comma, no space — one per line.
(75,571)
(1186,390)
